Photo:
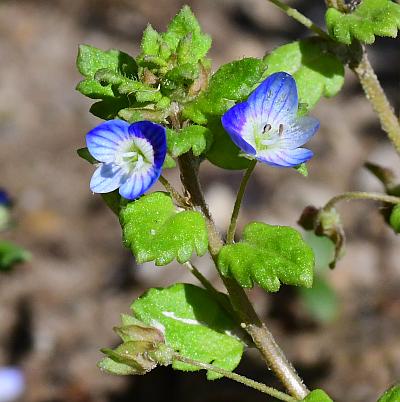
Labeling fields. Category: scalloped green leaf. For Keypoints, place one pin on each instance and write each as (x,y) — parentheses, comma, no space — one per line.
(195,138)
(232,83)
(391,395)
(318,395)
(155,231)
(316,71)
(194,324)
(11,254)
(184,35)
(268,255)
(370,18)
(91,59)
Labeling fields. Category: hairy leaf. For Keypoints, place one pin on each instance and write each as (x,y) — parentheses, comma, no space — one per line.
(316,71)
(268,255)
(318,395)
(233,82)
(194,325)
(195,138)
(370,18)
(391,395)
(154,231)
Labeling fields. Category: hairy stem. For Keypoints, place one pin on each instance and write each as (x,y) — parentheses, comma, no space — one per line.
(299,17)
(377,97)
(262,338)
(235,213)
(360,195)
(180,199)
(238,378)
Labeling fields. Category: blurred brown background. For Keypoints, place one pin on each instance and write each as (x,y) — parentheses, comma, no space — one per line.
(57,311)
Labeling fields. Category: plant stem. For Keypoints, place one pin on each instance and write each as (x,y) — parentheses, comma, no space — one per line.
(360,195)
(239,378)
(201,278)
(235,213)
(378,99)
(301,18)
(262,338)
(180,199)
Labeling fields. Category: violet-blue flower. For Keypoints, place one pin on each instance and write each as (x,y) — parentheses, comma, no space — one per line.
(130,155)
(266,127)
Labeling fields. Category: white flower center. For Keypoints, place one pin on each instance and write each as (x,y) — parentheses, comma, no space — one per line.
(268,136)
(135,155)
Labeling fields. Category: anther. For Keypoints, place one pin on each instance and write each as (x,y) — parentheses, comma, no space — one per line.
(267,127)
(280,130)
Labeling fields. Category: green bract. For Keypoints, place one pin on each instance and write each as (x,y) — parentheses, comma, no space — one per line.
(194,325)
(394,218)
(268,255)
(195,138)
(154,231)
(318,395)
(391,395)
(370,18)
(316,71)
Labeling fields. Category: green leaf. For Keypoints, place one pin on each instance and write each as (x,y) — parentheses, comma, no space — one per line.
(109,108)
(391,395)
(91,59)
(320,300)
(370,18)
(154,231)
(316,71)
(232,83)
(11,254)
(185,31)
(151,40)
(394,218)
(195,138)
(194,325)
(223,152)
(318,395)
(268,255)
(86,155)
(169,162)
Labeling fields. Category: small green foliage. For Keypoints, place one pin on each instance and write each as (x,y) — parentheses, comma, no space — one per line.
(320,300)
(233,82)
(184,35)
(86,155)
(317,72)
(318,395)
(394,219)
(11,254)
(194,325)
(302,169)
(370,18)
(195,138)
(154,231)
(268,255)
(391,395)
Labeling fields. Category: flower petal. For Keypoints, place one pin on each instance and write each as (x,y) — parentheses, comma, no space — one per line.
(275,100)
(106,178)
(138,183)
(104,140)
(284,157)
(238,124)
(298,132)
(156,135)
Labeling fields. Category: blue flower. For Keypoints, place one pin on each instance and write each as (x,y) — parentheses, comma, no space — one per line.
(5,199)
(12,384)
(131,156)
(266,126)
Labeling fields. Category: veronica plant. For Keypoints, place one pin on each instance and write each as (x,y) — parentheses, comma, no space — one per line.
(165,109)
